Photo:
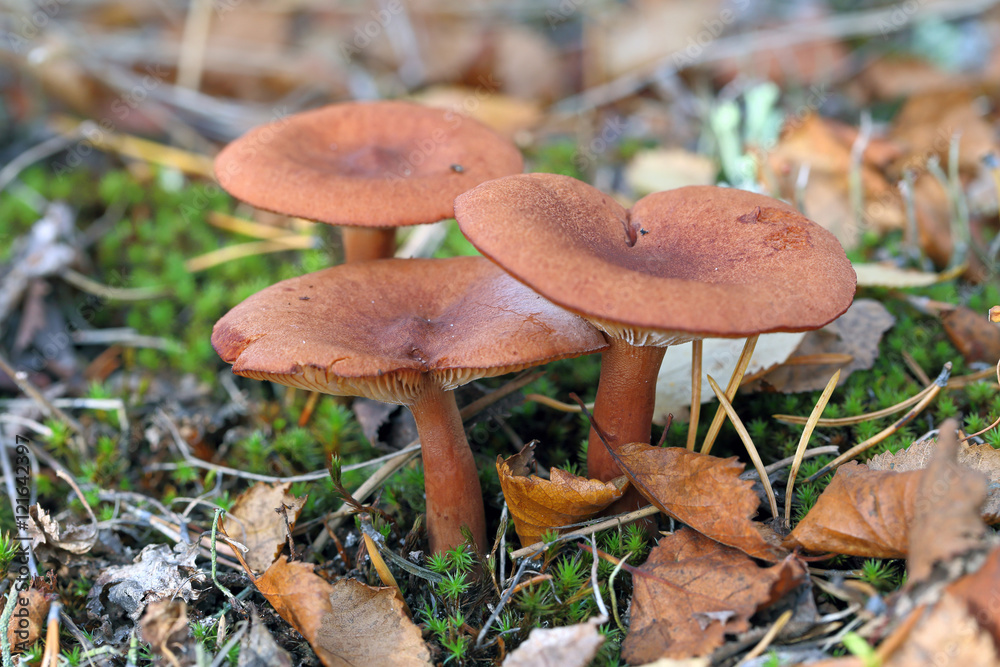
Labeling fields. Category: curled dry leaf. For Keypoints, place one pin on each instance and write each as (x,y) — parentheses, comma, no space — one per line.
(346,622)
(28,622)
(570,646)
(538,505)
(701,491)
(46,531)
(856,333)
(947,635)
(871,513)
(254,521)
(157,573)
(692,591)
(164,627)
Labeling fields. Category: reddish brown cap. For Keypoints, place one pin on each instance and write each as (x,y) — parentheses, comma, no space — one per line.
(380,328)
(699,260)
(377,164)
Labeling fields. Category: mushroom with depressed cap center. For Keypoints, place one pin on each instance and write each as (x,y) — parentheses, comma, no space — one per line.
(369,166)
(681,265)
(407,332)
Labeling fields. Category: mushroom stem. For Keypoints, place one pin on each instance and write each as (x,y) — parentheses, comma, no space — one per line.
(451,481)
(623,409)
(363,243)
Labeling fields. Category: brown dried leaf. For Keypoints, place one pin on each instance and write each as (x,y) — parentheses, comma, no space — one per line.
(346,622)
(982,458)
(254,522)
(692,591)
(538,505)
(975,337)
(931,514)
(861,513)
(856,333)
(981,592)
(701,491)
(28,622)
(946,521)
(164,626)
(926,123)
(44,530)
(946,636)
(570,646)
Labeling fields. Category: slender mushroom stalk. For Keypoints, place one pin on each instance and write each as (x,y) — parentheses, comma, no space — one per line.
(451,480)
(623,408)
(364,243)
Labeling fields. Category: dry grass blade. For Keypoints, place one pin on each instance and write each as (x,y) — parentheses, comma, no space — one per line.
(696,350)
(766,640)
(384,573)
(804,440)
(734,383)
(245,227)
(142,149)
(554,403)
(849,421)
(934,390)
(613,522)
(748,441)
(249,249)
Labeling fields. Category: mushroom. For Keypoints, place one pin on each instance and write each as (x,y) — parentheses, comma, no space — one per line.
(406,332)
(680,265)
(370,166)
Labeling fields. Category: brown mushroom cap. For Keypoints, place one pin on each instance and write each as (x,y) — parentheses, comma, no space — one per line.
(380,164)
(378,329)
(698,260)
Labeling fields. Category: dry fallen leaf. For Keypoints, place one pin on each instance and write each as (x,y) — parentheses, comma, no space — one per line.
(28,622)
(692,591)
(981,592)
(946,636)
(946,521)
(982,458)
(570,646)
(346,622)
(254,522)
(659,169)
(44,530)
(856,333)
(258,648)
(887,275)
(861,513)
(538,505)
(926,123)
(704,492)
(157,573)
(871,513)
(164,627)
(975,337)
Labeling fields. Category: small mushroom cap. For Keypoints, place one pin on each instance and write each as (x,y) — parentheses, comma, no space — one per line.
(368,164)
(381,328)
(694,262)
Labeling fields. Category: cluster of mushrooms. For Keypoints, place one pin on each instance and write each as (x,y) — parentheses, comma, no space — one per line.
(566,271)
